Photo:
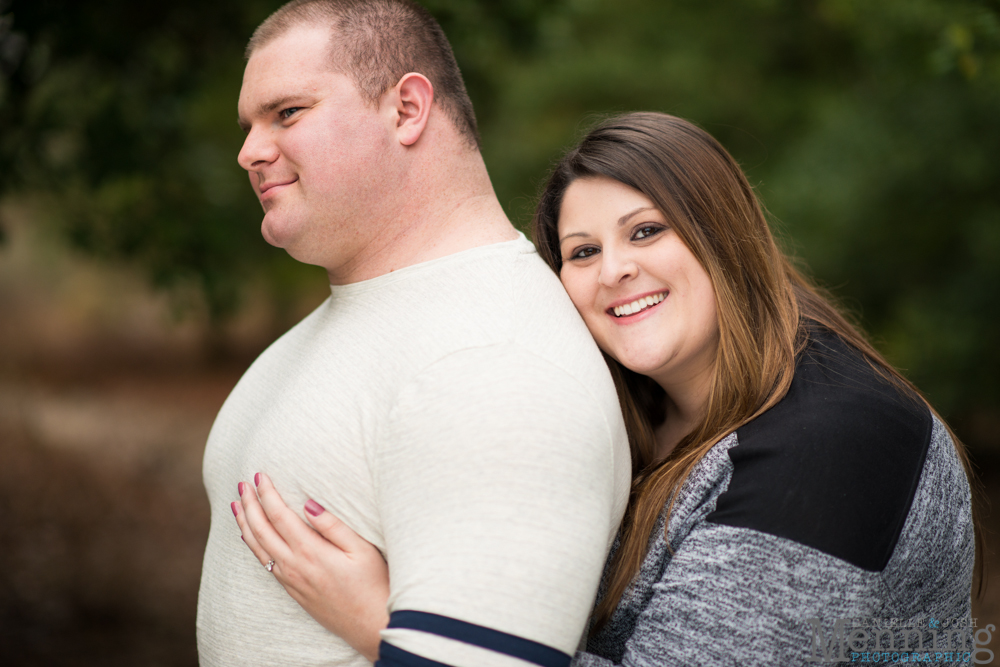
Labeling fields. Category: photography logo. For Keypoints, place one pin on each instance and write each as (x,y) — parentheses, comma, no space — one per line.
(893,640)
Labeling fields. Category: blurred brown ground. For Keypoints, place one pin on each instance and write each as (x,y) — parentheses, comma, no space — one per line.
(106,400)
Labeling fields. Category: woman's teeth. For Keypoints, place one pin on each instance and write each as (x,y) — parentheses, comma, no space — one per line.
(639,304)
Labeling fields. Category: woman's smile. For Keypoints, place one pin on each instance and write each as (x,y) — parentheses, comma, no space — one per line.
(630,310)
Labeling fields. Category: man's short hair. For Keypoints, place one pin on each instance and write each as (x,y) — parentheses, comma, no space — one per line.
(376,42)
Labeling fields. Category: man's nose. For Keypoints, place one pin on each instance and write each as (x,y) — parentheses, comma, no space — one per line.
(258,150)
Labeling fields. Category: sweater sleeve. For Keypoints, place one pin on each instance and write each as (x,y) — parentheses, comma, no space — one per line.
(499,495)
(735,596)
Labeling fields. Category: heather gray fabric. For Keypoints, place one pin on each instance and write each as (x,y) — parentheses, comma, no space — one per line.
(735,596)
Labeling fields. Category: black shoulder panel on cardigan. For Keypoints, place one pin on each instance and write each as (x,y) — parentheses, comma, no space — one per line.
(833,466)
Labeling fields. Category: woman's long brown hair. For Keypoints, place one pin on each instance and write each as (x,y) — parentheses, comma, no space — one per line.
(765,306)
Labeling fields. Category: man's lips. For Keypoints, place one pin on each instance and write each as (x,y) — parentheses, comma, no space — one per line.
(267,187)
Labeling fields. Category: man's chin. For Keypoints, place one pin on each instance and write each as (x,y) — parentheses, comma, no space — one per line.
(274,231)
(284,236)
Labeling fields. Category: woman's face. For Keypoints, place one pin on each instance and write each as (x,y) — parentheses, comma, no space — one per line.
(646,299)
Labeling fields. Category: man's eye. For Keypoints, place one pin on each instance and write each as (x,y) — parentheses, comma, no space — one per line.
(646,232)
(287,113)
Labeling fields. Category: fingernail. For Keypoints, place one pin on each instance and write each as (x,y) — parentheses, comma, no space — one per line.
(232,506)
(256,479)
(314,507)
(240,487)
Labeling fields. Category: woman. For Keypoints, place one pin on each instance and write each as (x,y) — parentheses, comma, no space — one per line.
(786,478)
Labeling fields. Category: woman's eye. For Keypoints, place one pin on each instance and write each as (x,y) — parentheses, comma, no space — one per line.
(287,113)
(584,253)
(646,232)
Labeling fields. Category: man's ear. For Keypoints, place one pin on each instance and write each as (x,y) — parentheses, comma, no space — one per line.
(412,100)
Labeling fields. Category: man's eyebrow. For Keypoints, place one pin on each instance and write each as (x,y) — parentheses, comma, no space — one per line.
(266,108)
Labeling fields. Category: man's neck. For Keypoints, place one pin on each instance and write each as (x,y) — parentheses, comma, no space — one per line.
(438,216)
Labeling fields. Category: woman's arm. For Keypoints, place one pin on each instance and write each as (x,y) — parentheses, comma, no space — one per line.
(340,579)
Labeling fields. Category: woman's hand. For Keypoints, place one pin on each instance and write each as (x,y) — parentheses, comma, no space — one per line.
(340,579)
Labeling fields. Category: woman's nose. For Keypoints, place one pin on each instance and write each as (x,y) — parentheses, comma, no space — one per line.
(617,268)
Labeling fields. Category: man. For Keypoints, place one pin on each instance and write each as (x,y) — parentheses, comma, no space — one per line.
(446,402)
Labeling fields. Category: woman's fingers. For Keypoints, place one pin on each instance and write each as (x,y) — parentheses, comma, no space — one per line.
(273,531)
(337,577)
(292,530)
(261,526)
(333,529)
(247,534)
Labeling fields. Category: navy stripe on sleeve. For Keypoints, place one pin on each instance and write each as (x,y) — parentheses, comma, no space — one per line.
(469,633)
(390,656)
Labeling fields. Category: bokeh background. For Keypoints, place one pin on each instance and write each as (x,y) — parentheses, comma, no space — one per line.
(135,287)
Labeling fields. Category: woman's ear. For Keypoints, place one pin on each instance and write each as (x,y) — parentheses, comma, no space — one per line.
(412,99)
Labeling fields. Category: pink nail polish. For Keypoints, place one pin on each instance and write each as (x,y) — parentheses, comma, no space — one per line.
(240,488)
(314,507)
(232,506)
(256,479)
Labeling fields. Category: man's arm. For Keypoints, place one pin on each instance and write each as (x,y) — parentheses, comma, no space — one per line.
(499,493)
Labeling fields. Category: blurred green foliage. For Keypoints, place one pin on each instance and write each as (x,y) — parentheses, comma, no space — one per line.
(870,128)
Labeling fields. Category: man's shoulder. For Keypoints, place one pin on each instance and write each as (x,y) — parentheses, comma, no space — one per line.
(508,279)
(496,314)
(502,294)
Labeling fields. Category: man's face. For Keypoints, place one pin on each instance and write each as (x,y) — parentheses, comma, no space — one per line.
(316,153)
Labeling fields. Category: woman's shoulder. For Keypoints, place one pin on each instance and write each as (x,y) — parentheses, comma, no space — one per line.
(834,465)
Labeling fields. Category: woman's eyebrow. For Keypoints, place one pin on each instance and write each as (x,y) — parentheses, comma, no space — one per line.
(628,216)
(621,221)
(571,236)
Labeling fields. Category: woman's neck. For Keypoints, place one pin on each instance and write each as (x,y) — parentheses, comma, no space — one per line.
(686,404)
